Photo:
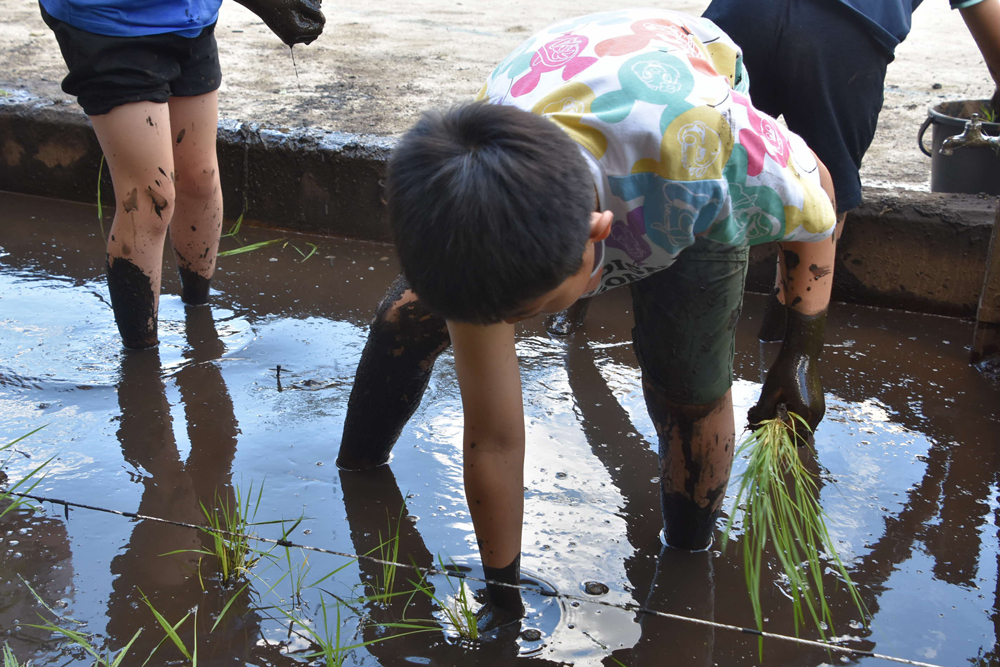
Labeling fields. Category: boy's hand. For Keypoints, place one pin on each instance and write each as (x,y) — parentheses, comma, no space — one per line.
(794,378)
(294,21)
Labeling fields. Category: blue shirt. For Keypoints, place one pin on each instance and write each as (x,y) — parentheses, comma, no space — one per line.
(889,20)
(135,18)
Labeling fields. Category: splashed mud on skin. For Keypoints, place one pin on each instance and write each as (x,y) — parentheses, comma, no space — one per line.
(131,201)
(159,201)
(180,135)
(819,271)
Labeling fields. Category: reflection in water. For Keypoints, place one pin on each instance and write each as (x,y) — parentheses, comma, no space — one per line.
(912,491)
(176,489)
(376,509)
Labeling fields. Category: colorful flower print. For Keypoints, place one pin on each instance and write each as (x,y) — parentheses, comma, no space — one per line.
(627,236)
(654,77)
(757,213)
(566,106)
(763,137)
(562,53)
(674,212)
(695,146)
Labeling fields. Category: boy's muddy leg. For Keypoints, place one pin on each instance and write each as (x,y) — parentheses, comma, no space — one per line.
(404,341)
(775,319)
(197,222)
(696,455)
(685,327)
(135,139)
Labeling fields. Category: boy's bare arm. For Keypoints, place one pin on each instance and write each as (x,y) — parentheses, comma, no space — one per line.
(983,21)
(490,381)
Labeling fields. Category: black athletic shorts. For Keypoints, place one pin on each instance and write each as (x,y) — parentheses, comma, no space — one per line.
(814,62)
(106,72)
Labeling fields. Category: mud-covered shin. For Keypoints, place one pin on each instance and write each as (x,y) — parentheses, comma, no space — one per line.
(503,603)
(133,303)
(404,341)
(794,378)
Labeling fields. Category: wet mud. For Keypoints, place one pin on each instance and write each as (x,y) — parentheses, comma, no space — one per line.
(907,455)
(194,286)
(132,298)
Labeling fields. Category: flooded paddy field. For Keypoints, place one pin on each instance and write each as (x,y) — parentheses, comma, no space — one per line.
(251,392)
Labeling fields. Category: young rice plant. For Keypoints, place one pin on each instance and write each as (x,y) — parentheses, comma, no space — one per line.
(778,502)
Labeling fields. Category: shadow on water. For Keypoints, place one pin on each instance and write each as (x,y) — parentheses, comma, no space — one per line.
(907,459)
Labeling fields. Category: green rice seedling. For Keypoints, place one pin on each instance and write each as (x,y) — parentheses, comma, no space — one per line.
(778,503)
(988,113)
(100,207)
(78,638)
(388,551)
(457,610)
(249,248)
(331,645)
(313,247)
(9,660)
(171,632)
(230,524)
(9,502)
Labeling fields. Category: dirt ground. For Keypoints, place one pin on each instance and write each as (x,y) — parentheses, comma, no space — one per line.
(380,63)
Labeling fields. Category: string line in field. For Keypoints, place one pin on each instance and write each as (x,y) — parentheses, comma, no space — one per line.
(426,571)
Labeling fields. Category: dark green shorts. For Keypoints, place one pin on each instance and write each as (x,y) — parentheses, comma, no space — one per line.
(685,322)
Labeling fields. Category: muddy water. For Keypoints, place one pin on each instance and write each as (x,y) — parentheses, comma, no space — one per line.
(908,456)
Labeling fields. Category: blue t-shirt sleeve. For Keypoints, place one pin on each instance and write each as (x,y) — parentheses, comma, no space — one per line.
(962,4)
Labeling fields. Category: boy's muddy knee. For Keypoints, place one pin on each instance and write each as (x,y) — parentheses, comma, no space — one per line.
(133,302)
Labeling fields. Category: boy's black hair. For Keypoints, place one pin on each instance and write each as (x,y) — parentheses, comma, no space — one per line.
(490,208)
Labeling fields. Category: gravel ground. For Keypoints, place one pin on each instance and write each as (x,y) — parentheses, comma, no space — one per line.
(380,63)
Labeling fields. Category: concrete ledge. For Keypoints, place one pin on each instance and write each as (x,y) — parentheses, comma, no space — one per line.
(305,180)
(907,250)
(918,251)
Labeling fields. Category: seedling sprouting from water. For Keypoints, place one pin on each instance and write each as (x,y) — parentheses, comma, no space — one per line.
(9,660)
(777,502)
(457,609)
(77,637)
(229,524)
(8,501)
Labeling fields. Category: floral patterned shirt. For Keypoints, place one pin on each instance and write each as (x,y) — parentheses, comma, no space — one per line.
(657,102)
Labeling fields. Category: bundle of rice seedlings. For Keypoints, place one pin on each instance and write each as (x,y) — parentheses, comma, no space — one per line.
(778,502)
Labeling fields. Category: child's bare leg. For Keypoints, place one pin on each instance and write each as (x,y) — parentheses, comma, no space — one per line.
(772,328)
(197,221)
(136,142)
(404,341)
(696,455)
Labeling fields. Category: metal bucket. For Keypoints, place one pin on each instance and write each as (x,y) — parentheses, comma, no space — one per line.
(969,169)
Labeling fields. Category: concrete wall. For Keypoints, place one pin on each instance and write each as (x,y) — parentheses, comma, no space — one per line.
(908,250)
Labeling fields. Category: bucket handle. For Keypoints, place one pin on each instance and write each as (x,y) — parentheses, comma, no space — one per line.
(920,136)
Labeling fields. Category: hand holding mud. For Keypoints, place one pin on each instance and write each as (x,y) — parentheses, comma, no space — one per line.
(294,21)
(794,378)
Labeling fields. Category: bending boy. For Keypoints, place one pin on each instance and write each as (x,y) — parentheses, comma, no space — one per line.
(609,150)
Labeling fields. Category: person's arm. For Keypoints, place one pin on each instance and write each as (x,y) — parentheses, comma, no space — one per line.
(493,450)
(983,21)
(807,279)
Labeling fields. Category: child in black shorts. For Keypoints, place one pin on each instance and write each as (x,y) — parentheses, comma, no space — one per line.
(147,75)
